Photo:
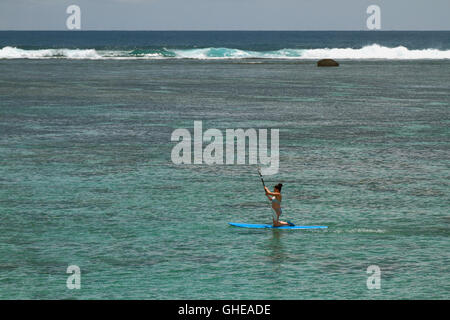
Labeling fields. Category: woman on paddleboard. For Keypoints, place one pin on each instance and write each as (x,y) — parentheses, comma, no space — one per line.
(275,197)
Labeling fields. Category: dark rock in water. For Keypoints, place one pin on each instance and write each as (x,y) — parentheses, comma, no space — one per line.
(327,63)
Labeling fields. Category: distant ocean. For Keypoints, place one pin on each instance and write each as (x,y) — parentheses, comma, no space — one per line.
(86,176)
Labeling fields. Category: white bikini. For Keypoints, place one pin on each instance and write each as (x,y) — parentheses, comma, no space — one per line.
(275,216)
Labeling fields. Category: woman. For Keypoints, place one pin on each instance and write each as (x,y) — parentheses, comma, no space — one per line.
(275,197)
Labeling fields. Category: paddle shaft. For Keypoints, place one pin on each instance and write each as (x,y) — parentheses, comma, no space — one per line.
(262,180)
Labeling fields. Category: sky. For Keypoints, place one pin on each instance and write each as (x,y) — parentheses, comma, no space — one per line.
(225,14)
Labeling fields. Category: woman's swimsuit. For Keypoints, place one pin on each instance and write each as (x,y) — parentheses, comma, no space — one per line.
(274,199)
(274,214)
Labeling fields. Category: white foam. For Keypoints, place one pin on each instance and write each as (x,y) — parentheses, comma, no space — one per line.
(16,53)
(374,51)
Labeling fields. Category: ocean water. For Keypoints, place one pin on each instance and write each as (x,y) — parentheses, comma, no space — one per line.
(86,176)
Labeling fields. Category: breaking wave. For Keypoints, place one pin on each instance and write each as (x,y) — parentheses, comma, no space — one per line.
(374,51)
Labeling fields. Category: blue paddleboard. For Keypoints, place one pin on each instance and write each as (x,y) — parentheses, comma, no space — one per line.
(269,226)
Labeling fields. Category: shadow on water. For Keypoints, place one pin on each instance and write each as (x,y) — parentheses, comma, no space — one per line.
(277,251)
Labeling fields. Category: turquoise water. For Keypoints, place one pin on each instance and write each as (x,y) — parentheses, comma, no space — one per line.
(86,178)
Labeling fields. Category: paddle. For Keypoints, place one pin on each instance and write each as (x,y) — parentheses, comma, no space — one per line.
(262,180)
